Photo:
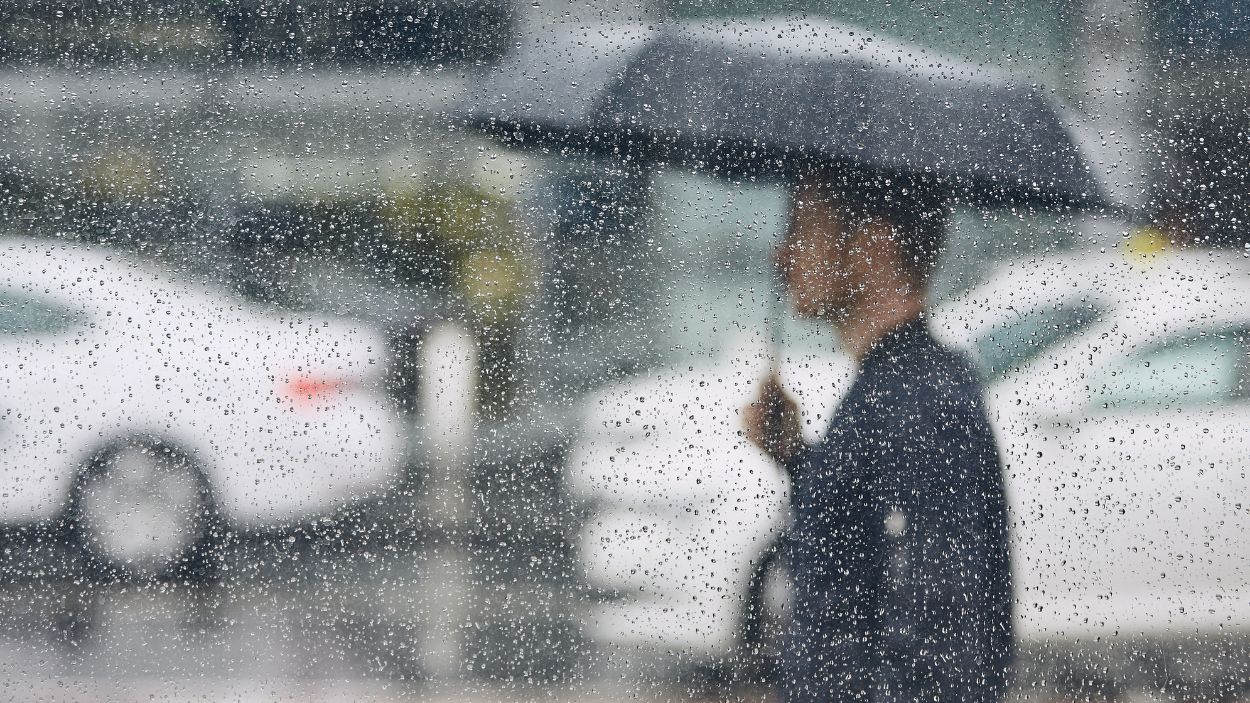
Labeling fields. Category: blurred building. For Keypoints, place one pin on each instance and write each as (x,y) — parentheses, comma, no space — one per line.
(1201,112)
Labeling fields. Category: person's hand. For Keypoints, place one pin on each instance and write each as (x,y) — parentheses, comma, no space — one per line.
(772,421)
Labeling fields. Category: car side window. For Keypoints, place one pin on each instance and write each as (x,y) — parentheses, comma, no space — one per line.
(1024,337)
(1199,369)
(22,314)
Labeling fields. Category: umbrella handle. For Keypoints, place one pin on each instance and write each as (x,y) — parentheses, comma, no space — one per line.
(774,321)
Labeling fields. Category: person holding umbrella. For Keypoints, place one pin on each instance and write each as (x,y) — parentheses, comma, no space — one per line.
(898,550)
(900,544)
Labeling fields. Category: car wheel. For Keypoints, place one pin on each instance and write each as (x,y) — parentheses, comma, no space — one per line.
(765,619)
(142,509)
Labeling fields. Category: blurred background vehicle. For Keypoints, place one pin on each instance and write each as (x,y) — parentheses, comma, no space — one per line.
(147,413)
(1119,391)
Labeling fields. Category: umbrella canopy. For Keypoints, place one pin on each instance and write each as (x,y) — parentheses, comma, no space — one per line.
(757,96)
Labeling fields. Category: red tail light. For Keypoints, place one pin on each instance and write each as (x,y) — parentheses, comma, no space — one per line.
(305,391)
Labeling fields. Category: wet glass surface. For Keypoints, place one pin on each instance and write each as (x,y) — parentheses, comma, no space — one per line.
(674,349)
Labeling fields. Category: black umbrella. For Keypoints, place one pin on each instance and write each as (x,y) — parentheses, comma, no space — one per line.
(761,96)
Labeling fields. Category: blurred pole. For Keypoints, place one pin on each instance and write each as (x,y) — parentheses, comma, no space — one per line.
(1112,88)
(775,313)
(449,363)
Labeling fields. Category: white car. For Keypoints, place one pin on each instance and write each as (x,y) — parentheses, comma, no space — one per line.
(1120,393)
(684,510)
(145,412)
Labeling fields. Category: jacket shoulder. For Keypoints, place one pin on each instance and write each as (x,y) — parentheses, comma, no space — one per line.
(929,380)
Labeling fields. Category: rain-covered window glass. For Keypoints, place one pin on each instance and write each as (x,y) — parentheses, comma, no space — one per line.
(752,350)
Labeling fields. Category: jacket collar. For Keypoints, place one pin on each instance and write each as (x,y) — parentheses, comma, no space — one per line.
(910,335)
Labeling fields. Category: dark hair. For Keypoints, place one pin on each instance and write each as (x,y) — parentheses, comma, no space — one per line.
(913,205)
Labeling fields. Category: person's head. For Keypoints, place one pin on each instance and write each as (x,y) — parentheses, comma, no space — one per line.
(852,237)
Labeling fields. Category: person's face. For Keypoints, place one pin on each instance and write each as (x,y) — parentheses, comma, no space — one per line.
(816,257)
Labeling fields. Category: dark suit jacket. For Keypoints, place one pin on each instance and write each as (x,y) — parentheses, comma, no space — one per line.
(898,552)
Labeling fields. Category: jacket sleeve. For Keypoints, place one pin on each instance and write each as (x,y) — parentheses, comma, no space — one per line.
(798,462)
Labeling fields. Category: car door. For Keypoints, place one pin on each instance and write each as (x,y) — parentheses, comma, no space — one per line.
(43,380)
(1149,471)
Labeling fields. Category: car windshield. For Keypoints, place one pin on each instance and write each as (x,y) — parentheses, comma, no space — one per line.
(24,314)
(1200,370)
(1027,335)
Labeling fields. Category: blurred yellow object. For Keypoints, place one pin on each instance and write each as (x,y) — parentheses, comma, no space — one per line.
(124,174)
(1147,244)
(457,213)
(494,281)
